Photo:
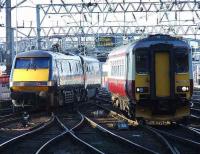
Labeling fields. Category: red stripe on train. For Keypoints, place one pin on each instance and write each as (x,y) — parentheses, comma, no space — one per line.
(118,86)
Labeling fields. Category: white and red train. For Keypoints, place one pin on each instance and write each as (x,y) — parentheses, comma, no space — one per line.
(152,78)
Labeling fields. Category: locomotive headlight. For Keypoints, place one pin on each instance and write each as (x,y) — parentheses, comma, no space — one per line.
(142,89)
(184,88)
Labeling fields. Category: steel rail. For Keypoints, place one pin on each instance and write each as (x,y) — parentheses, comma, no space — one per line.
(196,110)
(6,110)
(162,138)
(178,138)
(9,118)
(2,117)
(194,116)
(77,138)
(24,135)
(67,132)
(194,130)
(120,138)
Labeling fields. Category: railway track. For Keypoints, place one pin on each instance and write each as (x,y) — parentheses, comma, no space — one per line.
(195,112)
(9,118)
(13,131)
(141,138)
(196,94)
(177,136)
(29,141)
(197,130)
(183,139)
(97,129)
(67,141)
(92,139)
(5,111)
(195,106)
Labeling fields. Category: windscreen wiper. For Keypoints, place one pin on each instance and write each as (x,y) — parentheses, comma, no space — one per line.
(29,65)
(35,66)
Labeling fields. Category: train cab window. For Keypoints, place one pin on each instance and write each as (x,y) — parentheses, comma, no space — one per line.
(181,62)
(142,62)
(32,63)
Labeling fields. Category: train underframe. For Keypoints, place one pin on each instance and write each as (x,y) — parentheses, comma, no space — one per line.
(153,110)
(48,99)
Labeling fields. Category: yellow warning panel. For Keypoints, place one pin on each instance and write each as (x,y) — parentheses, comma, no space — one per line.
(31,75)
(162,74)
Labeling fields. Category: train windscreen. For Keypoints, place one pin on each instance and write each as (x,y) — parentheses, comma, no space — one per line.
(181,62)
(32,63)
(142,62)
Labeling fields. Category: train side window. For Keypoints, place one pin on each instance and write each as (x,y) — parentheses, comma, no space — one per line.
(70,69)
(66,68)
(181,62)
(118,70)
(61,65)
(80,67)
(142,62)
(77,69)
(92,69)
(74,67)
(122,70)
(113,70)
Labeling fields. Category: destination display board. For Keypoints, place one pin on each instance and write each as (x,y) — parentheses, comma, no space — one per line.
(105,41)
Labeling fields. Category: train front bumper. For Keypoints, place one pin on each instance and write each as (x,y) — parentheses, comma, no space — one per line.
(147,114)
(26,90)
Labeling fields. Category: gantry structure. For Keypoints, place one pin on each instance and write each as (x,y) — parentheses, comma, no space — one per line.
(80,24)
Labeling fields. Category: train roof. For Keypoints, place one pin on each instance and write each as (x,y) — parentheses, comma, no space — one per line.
(149,41)
(89,59)
(161,39)
(121,50)
(46,53)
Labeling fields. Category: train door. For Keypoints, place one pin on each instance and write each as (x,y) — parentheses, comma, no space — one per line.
(162,74)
